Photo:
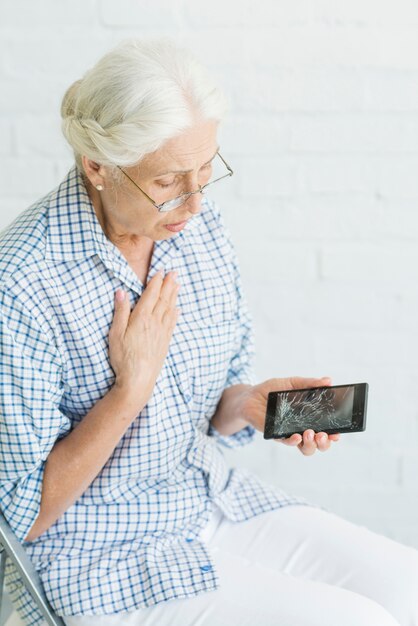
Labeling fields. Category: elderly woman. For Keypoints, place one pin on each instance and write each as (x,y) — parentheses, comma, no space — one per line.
(126,366)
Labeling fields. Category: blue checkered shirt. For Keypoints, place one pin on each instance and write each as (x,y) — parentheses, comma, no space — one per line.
(131,539)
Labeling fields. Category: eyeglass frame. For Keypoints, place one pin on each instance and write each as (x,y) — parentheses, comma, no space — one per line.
(185,195)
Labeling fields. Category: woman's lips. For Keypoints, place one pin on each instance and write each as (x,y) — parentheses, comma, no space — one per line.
(176,227)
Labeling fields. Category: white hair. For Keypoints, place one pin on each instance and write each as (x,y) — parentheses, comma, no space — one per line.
(136,97)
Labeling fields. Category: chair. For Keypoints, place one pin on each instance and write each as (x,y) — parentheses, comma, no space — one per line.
(11,548)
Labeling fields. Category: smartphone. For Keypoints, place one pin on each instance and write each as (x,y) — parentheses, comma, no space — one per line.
(336,409)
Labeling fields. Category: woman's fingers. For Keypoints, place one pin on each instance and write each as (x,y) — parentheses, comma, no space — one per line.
(322,441)
(157,296)
(171,311)
(121,313)
(150,295)
(335,437)
(308,444)
(298,382)
(310,441)
(294,440)
(168,295)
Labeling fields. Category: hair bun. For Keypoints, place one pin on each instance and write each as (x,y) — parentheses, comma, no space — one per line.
(69,100)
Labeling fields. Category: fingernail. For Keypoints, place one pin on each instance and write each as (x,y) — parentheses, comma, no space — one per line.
(120,295)
(310,436)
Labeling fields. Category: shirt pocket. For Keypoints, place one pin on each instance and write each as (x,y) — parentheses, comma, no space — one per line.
(203,345)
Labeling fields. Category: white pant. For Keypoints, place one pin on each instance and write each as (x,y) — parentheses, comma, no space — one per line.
(296,566)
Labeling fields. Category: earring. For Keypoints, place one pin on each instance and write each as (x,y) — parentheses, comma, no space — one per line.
(99,187)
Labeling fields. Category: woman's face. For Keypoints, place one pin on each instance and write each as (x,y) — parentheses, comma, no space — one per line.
(179,166)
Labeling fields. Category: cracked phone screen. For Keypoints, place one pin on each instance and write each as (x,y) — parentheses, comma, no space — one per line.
(318,409)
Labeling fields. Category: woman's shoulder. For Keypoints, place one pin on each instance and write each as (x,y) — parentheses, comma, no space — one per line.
(22,241)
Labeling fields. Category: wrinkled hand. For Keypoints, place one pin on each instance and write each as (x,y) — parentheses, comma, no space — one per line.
(254,410)
(139,338)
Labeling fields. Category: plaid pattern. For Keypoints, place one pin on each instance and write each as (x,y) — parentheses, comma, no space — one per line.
(130,540)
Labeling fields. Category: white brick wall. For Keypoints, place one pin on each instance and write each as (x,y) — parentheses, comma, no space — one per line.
(323,135)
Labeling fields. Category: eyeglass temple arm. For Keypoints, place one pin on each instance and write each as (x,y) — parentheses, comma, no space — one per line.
(137,186)
(225,163)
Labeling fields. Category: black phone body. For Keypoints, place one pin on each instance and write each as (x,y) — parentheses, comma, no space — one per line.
(335,409)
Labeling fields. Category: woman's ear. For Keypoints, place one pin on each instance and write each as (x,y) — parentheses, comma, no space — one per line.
(95,172)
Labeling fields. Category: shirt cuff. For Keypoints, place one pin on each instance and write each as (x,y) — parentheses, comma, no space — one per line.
(239,377)
(241,438)
(21,504)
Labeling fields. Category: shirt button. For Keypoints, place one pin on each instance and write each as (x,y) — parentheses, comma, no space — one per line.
(189,539)
(206,568)
(188,398)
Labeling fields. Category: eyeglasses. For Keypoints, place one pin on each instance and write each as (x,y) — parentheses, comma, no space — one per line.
(169,205)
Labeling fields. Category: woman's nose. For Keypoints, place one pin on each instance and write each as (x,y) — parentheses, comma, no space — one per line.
(194,203)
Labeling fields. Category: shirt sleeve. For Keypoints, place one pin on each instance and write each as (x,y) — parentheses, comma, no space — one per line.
(30,420)
(241,366)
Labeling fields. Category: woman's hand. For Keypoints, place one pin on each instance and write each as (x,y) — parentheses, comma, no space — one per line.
(139,339)
(254,410)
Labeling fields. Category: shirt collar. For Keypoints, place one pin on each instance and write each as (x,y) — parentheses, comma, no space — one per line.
(75,233)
